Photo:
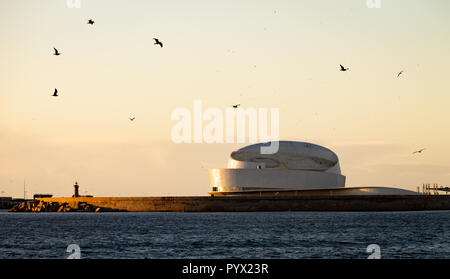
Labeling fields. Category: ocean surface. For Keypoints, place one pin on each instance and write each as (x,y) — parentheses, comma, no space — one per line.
(250,235)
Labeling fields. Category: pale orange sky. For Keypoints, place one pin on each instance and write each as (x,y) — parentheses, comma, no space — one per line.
(282,54)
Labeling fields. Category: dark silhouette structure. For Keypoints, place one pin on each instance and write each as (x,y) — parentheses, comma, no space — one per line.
(76,192)
(76,188)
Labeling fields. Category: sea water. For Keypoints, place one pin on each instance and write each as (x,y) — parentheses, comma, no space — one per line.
(247,235)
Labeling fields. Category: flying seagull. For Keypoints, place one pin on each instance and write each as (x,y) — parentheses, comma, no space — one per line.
(236,106)
(91,22)
(343,69)
(401,72)
(418,151)
(56,52)
(157,42)
(55,94)
(132,118)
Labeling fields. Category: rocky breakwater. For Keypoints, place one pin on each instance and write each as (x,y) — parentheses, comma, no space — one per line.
(41,206)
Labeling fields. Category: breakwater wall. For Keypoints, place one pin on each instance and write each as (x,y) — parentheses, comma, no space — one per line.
(252,203)
(57,206)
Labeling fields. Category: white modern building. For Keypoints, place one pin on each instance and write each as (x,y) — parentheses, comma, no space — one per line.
(298,168)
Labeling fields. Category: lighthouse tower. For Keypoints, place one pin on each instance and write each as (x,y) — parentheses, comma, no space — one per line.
(75,189)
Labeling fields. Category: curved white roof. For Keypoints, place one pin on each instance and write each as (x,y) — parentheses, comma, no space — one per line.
(291,155)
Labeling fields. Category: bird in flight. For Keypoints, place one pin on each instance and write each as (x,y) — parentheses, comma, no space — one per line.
(55,94)
(132,118)
(157,42)
(401,72)
(343,69)
(91,22)
(418,151)
(56,52)
(236,106)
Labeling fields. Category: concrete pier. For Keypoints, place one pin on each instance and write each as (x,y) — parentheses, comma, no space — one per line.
(252,203)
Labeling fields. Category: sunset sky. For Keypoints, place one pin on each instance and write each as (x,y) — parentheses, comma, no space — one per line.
(264,54)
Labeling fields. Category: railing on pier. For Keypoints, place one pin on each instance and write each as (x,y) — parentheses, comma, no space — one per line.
(434,189)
